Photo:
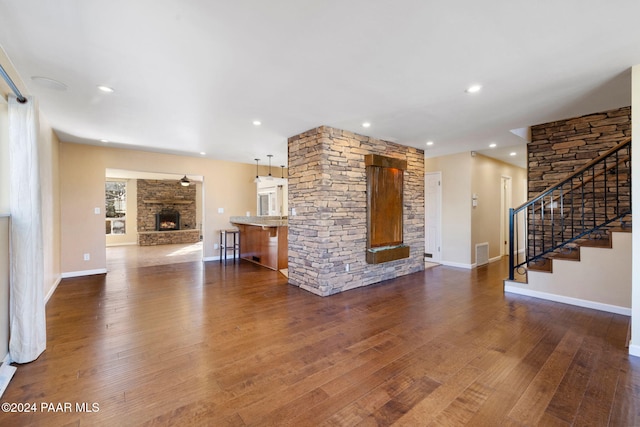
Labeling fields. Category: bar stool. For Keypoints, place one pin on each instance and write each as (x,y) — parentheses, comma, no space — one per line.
(225,246)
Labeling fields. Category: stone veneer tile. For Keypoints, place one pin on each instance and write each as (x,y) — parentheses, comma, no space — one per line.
(149,189)
(559,148)
(327,188)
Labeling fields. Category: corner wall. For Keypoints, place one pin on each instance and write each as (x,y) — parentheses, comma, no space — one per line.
(327,191)
(486,182)
(634,345)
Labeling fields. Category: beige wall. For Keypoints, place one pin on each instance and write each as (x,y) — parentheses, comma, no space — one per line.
(226,185)
(486,182)
(634,347)
(49,151)
(456,206)
(464,226)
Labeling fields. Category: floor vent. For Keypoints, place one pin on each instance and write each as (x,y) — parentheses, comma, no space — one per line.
(482,254)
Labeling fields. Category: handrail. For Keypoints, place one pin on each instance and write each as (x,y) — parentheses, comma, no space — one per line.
(563,214)
(584,182)
(589,165)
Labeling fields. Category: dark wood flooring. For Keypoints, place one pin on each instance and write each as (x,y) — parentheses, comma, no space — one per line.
(208,344)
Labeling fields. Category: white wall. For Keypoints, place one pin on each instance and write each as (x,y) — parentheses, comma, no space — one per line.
(634,346)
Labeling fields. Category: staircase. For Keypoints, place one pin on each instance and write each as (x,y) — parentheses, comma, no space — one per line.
(572,242)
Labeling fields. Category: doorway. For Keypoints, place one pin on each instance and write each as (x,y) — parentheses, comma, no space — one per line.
(131,220)
(505,204)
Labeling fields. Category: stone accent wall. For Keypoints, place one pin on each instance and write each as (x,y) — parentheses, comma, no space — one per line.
(562,147)
(154,238)
(156,195)
(327,189)
(559,148)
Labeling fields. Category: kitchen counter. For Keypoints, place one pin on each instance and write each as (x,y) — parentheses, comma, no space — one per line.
(263,240)
(263,221)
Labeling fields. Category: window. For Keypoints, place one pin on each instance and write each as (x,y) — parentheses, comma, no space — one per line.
(116,207)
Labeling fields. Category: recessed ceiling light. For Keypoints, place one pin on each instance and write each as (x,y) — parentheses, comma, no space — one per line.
(106,89)
(429,143)
(493,145)
(202,153)
(104,140)
(473,89)
(366,124)
(513,153)
(257,122)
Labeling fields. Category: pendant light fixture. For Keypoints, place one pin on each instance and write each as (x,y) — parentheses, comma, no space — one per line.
(257,177)
(270,177)
(185,181)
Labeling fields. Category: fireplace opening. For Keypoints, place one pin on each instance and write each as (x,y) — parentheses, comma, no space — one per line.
(167,220)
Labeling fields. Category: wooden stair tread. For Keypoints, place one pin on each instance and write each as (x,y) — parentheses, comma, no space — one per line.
(543,265)
(572,254)
(626,229)
(596,243)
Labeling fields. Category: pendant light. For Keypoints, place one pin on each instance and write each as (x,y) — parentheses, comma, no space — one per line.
(257,177)
(270,177)
(282,171)
(185,181)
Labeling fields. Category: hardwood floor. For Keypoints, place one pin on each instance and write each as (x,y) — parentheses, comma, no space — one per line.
(133,256)
(208,344)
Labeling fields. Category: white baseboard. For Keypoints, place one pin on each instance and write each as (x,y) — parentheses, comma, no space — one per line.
(634,350)
(70,274)
(457,264)
(111,245)
(494,259)
(52,290)
(568,300)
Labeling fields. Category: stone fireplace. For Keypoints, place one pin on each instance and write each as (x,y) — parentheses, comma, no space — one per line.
(166,213)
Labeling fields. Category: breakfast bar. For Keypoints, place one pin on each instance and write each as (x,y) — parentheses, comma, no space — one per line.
(263,240)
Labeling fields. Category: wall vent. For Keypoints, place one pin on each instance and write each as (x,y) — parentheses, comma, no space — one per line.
(482,254)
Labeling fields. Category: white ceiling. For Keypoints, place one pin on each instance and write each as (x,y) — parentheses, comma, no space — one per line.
(191,76)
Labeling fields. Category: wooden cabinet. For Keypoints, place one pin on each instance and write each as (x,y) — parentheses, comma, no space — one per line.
(264,245)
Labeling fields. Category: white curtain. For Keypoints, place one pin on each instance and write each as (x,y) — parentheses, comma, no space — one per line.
(28,336)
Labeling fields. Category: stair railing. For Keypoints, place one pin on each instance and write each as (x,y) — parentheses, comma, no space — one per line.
(579,206)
